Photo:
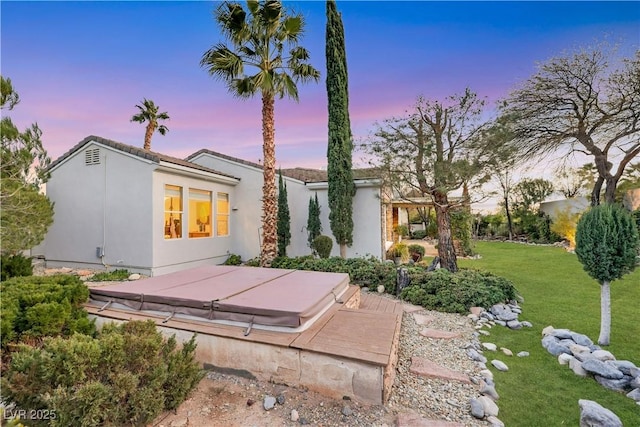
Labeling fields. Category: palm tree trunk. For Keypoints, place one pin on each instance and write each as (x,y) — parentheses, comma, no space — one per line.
(147,136)
(605,314)
(269,200)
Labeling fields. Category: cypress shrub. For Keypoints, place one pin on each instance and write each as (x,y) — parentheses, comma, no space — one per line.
(323,245)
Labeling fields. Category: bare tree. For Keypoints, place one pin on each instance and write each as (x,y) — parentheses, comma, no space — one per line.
(433,151)
(581,103)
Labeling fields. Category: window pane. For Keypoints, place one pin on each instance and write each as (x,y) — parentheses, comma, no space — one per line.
(172,212)
(222,214)
(200,213)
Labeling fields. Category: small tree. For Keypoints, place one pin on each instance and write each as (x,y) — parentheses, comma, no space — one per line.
(284,218)
(607,245)
(314,226)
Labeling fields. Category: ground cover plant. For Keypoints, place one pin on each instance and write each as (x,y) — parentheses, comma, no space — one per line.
(557,291)
(35,307)
(127,375)
(106,276)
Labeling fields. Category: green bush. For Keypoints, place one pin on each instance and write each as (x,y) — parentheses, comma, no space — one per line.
(402,230)
(126,376)
(109,276)
(369,272)
(233,260)
(442,290)
(34,307)
(322,245)
(15,266)
(461,230)
(419,234)
(417,249)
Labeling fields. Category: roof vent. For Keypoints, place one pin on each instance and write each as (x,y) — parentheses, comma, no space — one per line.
(92,157)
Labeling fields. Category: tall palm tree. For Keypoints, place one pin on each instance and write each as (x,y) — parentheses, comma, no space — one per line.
(258,40)
(149,113)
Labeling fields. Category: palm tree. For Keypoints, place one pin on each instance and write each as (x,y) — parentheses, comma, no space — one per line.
(149,113)
(257,40)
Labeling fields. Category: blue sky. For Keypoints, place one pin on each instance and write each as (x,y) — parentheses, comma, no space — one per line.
(81,67)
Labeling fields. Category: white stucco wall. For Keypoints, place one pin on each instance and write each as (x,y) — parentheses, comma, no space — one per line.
(107,205)
(574,205)
(247,219)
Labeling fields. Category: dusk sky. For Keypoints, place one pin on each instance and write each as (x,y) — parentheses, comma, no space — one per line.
(81,67)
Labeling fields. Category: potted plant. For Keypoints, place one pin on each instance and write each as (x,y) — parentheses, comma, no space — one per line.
(416,252)
(398,252)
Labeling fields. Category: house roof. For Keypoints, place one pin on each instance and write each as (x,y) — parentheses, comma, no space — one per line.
(301,174)
(135,151)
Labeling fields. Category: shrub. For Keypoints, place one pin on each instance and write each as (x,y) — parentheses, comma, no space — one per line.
(108,276)
(419,234)
(323,245)
(398,250)
(233,260)
(15,266)
(417,252)
(565,224)
(369,272)
(442,290)
(126,376)
(402,230)
(36,307)
(253,262)
(461,231)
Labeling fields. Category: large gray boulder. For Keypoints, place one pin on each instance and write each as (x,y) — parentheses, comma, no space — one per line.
(634,394)
(615,385)
(623,366)
(598,367)
(553,346)
(594,415)
(581,339)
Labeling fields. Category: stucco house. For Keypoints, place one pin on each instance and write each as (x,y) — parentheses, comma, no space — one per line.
(120,206)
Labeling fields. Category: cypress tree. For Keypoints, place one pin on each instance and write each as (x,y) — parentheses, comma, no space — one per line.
(284,218)
(607,245)
(340,145)
(314,226)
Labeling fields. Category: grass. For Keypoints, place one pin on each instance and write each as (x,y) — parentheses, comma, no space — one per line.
(537,390)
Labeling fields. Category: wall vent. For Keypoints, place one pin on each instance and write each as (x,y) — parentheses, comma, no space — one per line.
(92,157)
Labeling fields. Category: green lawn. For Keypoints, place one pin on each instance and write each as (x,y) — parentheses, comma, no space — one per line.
(537,391)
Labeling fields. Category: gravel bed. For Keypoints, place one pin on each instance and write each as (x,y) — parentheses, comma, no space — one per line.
(435,398)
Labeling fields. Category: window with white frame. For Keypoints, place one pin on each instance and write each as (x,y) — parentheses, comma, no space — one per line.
(172,212)
(200,223)
(222,214)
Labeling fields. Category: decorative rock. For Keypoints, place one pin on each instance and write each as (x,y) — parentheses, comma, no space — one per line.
(552,345)
(483,332)
(495,422)
(477,409)
(427,368)
(381,289)
(634,372)
(476,310)
(577,348)
(280,399)
(576,367)
(269,403)
(619,385)
(506,351)
(490,346)
(623,366)
(526,324)
(474,355)
(294,415)
(422,319)
(486,374)
(635,383)
(346,410)
(598,367)
(489,390)
(500,366)
(634,394)
(437,334)
(603,355)
(134,276)
(303,421)
(581,339)
(561,333)
(594,415)
(564,358)
(501,322)
(523,354)
(547,331)
(514,324)
(489,406)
